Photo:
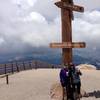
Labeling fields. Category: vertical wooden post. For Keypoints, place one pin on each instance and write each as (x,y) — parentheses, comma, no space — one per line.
(17,67)
(35,64)
(52,66)
(5,69)
(7,80)
(66,33)
(12,68)
(30,65)
(24,66)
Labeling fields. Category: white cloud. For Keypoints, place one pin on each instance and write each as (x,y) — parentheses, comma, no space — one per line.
(92,17)
(1,41)
(41,32)
(25,4)
(89,4)
(47,9)
(31,2)
(20,32)
(31,23)
(87,28)
(34,16)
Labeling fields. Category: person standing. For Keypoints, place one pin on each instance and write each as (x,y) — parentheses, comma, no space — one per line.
(74,74)
(64,80)
(64,76)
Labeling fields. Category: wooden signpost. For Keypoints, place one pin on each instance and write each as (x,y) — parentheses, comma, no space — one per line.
(67,8)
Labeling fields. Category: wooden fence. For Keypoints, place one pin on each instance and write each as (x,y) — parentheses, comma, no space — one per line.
(11,68)
(26,65)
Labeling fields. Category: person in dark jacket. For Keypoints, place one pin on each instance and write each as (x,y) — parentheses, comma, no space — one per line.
(77,81)
(74,74)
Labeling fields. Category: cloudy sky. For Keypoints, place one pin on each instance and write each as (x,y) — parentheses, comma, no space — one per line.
(29,24)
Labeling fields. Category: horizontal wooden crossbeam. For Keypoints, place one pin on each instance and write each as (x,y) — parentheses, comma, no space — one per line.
(68,45)
(64,5)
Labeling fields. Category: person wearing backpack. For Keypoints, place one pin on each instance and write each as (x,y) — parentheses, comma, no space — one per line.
(75,79)
(71,69)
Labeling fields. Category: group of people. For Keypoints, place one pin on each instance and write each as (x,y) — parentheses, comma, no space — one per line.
(70,80)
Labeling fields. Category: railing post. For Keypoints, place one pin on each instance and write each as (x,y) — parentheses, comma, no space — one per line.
(53,67)
(35,64)
(12,68)
(5,69)
(17,67)
(24,66)
(30,65)
(7,80)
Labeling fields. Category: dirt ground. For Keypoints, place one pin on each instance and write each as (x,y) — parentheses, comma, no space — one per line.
(36,84)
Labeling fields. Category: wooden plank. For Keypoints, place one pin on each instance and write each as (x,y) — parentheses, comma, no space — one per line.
(68,45)
(71,7)
(4,75)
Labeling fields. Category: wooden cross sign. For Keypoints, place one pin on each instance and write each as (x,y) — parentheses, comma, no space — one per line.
(67,8)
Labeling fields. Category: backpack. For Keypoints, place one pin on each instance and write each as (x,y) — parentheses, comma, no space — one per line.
(75,77)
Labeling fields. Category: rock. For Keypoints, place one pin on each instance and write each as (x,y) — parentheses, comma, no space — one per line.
(86,67)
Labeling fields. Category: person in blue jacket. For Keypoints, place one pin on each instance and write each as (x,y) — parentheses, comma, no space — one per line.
(65,81)
(64,76)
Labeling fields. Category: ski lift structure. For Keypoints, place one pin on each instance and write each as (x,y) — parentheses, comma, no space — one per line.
(67,8)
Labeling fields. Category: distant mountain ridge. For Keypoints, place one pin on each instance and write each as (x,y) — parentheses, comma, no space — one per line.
(53,58)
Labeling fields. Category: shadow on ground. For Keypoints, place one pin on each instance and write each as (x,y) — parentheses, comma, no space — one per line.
(95,94)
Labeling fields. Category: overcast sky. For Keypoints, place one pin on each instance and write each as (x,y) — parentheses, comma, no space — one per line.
(27,24)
